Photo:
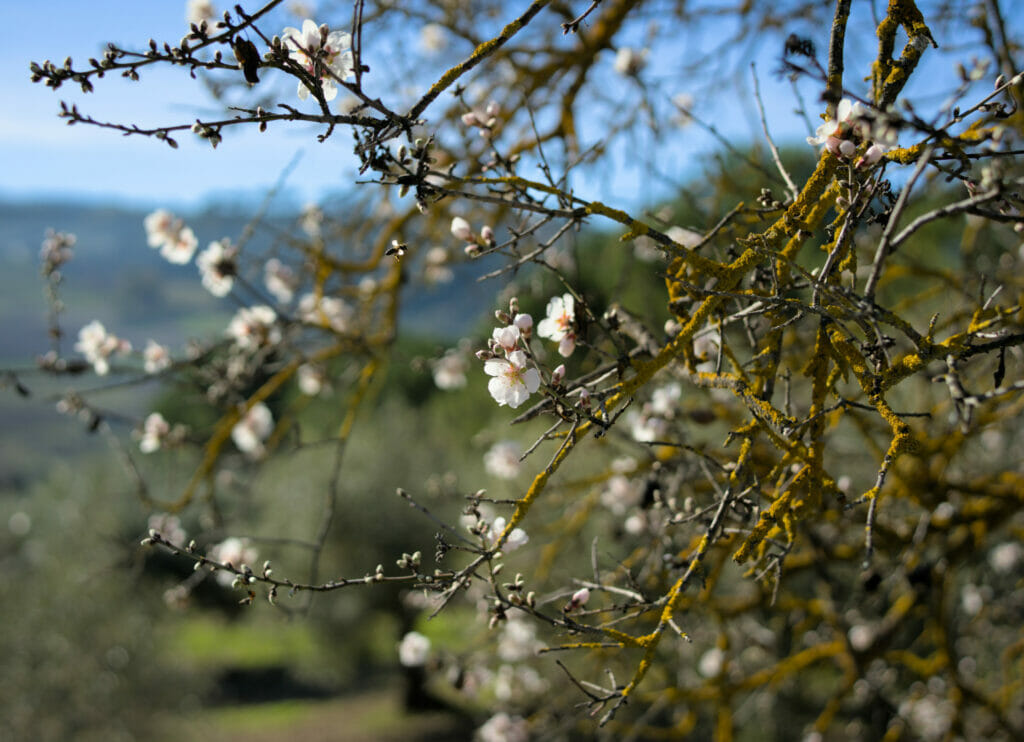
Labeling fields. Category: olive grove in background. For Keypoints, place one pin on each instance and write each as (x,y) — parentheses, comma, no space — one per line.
(764,478)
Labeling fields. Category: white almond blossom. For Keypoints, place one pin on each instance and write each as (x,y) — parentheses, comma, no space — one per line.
(234,551)
(253,327)
(177,243)
(280,280)
(97,345)
(436,269)
(502,460)
(503,728)
(433,38)
(311,379)
(518,537)
(169,527)
(255,427)
(217,267)
(155,357)
(629,62)
(621,494)
(513,382)
(198,11)
(558,325)
(506,338)
(1005,557)
(155,430)
(450,370)
(413,650)
(328,311)
(317,52)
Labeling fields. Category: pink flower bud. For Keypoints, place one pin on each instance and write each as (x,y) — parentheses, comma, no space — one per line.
(461,229)
(471,250)
(577,601)
(484,355)
(558,374)
(470,119)
(487,235)
(524,322)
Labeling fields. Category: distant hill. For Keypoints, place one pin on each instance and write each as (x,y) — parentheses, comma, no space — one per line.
(116,278)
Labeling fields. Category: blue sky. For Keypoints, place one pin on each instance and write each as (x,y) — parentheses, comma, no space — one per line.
(45,157)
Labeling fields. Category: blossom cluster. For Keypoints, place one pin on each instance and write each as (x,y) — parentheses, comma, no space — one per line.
(98,345)
(513,378)
(463,231)
(324,54)
(853,124)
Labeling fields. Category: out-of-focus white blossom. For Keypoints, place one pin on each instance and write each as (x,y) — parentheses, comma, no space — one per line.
(685,237)
(197,11)
(413,650)
(234,551)
(168,526)
(154,430)
(861,636)
(97,345)
(629,61)
(971,599)
(684,104)
(433,38)
(513,382)
(255,427)
(450,370)
(621,494)
(665,400)
(317,52)
(503,728)
(518,537)
(710,663)
(311,379)
(253,327)
(311,219)
(558,324)
(155,357)
(929,716)
(177,243)
(502,460)
(436,268)
(518,639)
(56,250)
(280,280)
(1005,557)
(217,267)
(328,311)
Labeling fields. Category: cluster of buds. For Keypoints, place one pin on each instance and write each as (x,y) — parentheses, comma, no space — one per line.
(56,250)
(462,230)
(209,133)
(485,121)
(853,124)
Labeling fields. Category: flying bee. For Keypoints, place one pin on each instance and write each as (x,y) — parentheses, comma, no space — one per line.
(248,58)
